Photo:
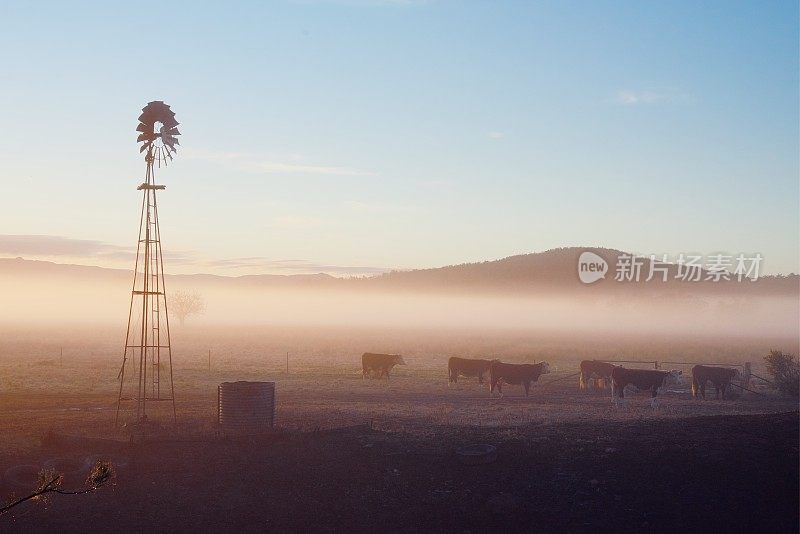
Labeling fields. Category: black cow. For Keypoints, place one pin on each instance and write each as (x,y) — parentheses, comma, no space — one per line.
(719,376)
(515,374)
(644,379)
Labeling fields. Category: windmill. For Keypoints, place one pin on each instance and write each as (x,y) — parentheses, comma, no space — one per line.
(147,358)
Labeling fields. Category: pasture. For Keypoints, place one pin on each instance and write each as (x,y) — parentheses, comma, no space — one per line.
(364,452)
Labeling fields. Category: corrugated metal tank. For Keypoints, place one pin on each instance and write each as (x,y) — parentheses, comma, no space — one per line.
(246,407)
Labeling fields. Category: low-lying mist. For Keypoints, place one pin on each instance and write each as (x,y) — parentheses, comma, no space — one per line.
(107,303)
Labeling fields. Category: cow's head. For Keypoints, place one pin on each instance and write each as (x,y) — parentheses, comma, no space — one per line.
(674,378)
(398,360)
(545,368)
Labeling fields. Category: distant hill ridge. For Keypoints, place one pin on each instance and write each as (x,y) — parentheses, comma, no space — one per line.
(551,271)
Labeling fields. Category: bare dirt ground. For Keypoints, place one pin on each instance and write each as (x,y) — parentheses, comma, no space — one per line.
(368,455)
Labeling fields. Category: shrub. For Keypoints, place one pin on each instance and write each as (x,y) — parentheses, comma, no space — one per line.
(785,371)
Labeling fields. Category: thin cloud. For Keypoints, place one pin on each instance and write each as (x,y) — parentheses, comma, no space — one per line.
(251,164)
(628,97)
(376,207)
(293,266)
(53,246)
(496,135)
(297,222)
(435,183)
(98,252)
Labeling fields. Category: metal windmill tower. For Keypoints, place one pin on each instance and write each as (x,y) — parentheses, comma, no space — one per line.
(147,359)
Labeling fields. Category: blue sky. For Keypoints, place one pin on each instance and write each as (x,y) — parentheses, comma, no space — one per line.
(353,136)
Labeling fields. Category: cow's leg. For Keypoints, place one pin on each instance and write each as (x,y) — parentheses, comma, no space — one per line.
(616,397)
(480,378)
(694,388)
(527,386)
(654,397)
(582,382)
(492,385)
(724,389)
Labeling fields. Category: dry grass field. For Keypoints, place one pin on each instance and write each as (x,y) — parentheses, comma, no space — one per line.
(347,450)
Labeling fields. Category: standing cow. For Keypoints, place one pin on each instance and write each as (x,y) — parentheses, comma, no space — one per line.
(719,376)
(644,379)
(381,364)
(595,371)
(466,367)
(515,374)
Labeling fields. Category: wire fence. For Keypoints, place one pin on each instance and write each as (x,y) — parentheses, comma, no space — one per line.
(658,363)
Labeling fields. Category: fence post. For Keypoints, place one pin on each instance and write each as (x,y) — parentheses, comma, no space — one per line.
(656,363)
(746,375)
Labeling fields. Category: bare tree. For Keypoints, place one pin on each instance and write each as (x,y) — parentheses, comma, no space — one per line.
(186,303)
(50,482)
(785,371)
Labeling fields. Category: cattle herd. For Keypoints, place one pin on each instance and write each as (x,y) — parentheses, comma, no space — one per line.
(598,373)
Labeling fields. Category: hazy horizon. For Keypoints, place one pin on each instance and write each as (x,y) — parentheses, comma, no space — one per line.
(300,267)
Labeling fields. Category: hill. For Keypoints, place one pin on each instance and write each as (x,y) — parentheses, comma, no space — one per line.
(551,272)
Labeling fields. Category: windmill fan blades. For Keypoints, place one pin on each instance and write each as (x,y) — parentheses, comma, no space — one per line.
(158,112)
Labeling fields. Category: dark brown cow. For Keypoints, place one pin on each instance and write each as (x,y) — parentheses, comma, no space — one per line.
(515,374)
(595,371)
(719,376)
(644,379)
(466,367)
(379,363)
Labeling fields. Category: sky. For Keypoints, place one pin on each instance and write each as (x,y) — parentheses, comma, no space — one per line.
(357,136)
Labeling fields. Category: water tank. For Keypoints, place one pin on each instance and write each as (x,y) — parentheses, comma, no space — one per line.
(246,407)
